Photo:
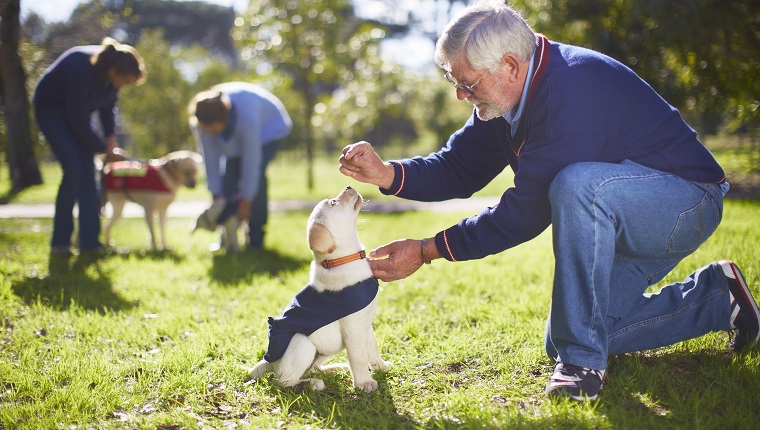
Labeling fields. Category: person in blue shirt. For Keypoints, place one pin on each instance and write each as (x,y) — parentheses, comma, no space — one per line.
(239,127)
(599,156)
(83,80)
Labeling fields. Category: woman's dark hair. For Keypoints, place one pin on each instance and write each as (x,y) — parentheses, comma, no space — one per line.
(124,59)
(209,107)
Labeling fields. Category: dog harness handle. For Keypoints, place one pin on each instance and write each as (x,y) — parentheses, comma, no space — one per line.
(343,260)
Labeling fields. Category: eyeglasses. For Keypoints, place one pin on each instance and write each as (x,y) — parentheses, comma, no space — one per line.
(469,89)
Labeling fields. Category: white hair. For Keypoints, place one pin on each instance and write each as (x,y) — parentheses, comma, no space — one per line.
(483,33)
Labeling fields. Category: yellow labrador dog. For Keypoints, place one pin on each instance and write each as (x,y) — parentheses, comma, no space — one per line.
(335,311)
(152,185)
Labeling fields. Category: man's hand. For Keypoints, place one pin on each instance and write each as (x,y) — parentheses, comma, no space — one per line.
(360,162)
(404,258)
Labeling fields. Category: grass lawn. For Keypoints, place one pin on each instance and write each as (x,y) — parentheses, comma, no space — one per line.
(288,176)
(162,339)
(287,181)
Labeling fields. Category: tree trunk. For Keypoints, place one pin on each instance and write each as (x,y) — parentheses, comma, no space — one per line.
(24,171)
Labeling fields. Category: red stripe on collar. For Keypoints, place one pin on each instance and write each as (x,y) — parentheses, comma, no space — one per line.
(541,60)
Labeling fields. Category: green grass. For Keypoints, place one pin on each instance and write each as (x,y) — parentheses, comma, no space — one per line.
(288,176)
(162,339)
(287,181)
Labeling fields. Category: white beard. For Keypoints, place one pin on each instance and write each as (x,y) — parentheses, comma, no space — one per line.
(488,110)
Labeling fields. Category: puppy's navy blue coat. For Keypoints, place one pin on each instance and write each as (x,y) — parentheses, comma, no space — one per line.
(311,310)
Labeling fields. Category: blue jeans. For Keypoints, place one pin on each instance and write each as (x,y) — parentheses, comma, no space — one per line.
(618,229)
(78,184)
(260,201)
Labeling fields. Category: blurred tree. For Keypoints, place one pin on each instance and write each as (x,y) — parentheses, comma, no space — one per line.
(319,43)
(87,25)
(701,55)
(444,113)
(425,17)
(154,115)
(23,168)
(390,106)
(373,104)
(439,113)
(33,28)
(185,23)
(175,38)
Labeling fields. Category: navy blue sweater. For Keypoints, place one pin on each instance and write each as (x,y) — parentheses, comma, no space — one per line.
(582,106)
(311,310)
(70,89)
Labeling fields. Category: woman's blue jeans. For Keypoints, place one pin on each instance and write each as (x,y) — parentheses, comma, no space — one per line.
(78,184)
(618,229)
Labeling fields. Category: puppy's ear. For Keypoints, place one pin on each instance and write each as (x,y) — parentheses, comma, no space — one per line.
(170,164)
(320,239)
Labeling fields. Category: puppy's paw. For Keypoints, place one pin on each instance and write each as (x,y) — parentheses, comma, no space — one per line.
(369,386)
(259,370)
(380,365)
(316,384)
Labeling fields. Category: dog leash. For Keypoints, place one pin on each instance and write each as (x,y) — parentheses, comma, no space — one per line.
(343,260)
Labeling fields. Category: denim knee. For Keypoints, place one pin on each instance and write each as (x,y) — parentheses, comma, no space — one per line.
(570,183)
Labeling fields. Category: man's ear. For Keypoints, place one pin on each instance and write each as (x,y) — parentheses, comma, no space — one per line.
(320,239)
(512,67)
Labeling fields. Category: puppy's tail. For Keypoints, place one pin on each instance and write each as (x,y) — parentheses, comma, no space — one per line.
(260,369)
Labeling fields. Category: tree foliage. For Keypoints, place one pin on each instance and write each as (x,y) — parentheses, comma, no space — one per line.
(701,55)
(319,43)
(324,62)
(153,115)
(184,23)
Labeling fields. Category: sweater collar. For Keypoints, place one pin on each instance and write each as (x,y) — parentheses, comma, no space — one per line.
(540,60)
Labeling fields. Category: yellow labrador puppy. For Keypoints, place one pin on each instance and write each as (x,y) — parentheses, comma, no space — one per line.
(335,311)
(208,220)
(152,185)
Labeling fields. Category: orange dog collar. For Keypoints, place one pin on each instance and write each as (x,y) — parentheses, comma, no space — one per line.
(343,260)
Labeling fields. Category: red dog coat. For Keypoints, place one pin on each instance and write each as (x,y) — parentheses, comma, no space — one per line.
(134,176)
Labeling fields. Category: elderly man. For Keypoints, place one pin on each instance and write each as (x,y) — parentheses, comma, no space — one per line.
(626,186)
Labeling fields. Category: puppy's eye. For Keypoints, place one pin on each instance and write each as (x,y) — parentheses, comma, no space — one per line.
(333,202)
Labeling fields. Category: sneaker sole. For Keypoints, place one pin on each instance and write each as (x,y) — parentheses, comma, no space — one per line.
(730,270)
(559,393)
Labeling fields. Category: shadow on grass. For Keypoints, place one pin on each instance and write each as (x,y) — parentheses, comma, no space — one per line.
(232,268)
(77,283)
(661,390)
(341,406)
(8,197)
(146,254)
